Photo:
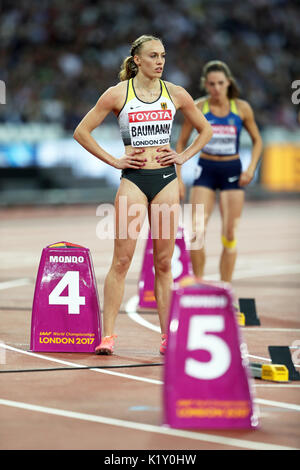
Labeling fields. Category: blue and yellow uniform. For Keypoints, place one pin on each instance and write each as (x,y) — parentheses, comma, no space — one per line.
(224,143)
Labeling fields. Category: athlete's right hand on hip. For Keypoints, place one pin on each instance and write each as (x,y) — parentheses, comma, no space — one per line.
(132,160)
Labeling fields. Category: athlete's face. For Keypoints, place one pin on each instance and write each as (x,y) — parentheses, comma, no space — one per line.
(151,59)
(217,84)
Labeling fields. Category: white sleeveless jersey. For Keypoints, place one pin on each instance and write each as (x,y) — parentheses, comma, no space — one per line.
(146,124)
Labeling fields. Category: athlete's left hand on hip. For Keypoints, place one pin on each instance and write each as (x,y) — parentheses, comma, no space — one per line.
(168,156)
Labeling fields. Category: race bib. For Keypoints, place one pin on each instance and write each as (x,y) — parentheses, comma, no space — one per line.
(223,141)
(150,128)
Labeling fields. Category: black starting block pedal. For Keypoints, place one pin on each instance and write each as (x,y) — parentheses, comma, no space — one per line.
(282,355)
(247,316)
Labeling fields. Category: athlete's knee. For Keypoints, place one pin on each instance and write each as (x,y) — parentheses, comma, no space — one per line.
(162,263)
(229,242)
(199,223)
(122,264)
(229,239)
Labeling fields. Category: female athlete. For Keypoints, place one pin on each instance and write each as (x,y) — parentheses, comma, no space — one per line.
(219,166)
(145,107)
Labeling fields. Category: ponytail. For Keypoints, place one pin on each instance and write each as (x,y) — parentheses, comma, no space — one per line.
(128,69)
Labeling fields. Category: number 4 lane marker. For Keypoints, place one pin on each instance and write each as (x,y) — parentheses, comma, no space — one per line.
(73,300)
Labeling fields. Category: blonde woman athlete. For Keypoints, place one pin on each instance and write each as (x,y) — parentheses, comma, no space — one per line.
(219,166)
(145,107)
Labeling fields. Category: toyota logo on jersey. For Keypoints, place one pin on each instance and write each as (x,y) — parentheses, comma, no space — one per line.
(150,128)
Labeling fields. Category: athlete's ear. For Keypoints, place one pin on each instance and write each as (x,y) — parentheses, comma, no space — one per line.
(137,60)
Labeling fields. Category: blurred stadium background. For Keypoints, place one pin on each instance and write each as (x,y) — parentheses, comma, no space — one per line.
(57,58)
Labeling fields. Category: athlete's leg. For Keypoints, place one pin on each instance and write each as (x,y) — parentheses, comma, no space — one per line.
(130,211)
(231,206)
(206,197)
(163,218)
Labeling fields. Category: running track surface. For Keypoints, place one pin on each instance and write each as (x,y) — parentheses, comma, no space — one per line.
(121,408)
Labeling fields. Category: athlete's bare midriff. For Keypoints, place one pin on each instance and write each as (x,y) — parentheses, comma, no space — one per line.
(219,157)
(149,154)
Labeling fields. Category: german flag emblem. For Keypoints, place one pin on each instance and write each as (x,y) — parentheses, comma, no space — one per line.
(163,105)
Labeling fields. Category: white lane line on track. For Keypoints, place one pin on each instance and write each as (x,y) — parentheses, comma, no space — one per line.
(221,440)
(259,272)
(15,283)
(276,404)
(75,364)
(290,330)
(141,321)
(277,385)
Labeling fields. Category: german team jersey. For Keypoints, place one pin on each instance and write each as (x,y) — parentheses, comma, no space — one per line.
(226,131)
(146,124)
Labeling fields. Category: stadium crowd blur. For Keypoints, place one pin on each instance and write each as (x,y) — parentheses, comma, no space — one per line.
(57,57)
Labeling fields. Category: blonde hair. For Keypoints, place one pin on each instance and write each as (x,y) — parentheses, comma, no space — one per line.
(129,69)
(218,66)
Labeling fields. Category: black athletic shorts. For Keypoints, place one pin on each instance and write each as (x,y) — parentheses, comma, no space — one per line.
(218,174)
(150,182)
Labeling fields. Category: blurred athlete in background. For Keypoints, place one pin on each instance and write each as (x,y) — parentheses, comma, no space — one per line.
(219,166)
(145,107)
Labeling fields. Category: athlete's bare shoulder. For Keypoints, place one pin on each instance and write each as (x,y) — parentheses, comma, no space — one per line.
(244,108)
(121,86)
(242,103)
(178,94)
(172,88)
(199,102)
(117,90)
(114,96)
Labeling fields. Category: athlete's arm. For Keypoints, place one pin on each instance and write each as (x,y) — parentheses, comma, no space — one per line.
(182,141)
(257,144)
(197,120)
(108,102)
(185,133)
(183,101)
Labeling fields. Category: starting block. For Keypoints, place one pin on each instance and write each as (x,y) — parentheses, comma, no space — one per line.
(247,316)
(181,267)
(66,312)
(281,369)
(271,372)
(207,380)
(282,355)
